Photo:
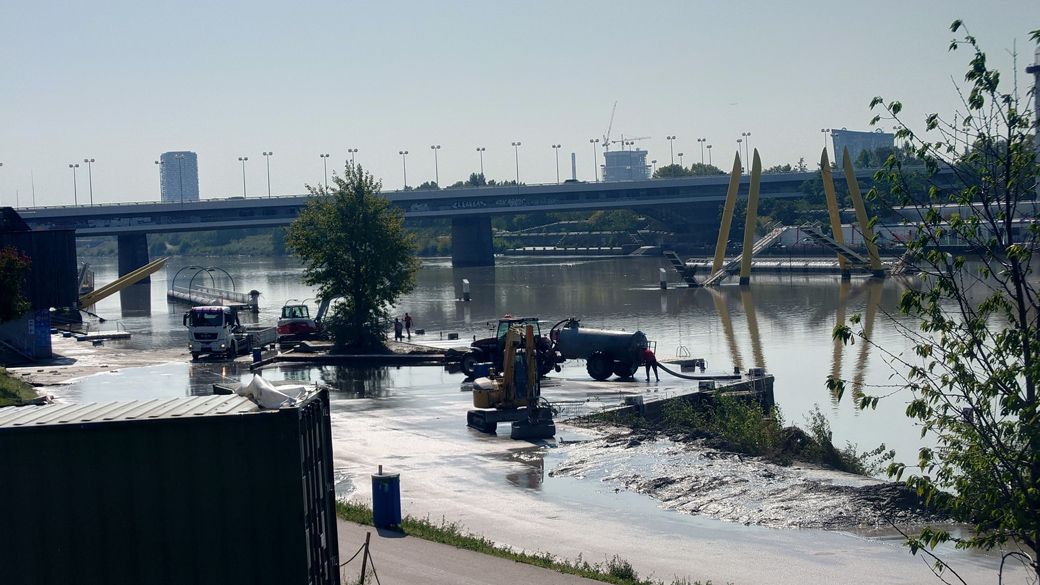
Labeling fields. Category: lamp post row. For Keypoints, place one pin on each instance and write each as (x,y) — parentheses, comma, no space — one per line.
(594,142)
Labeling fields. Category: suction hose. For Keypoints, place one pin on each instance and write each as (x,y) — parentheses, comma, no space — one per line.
(701,377)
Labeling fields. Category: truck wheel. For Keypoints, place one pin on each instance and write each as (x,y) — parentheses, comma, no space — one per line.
(194,356)
(469,363)
(599,366)
(545,363)
(624,369)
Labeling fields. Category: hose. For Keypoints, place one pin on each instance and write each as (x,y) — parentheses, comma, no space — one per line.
(701,377)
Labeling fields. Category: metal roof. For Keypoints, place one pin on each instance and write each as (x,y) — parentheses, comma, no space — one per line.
(97,412)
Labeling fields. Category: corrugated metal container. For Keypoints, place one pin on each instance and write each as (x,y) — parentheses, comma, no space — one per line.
(208,489)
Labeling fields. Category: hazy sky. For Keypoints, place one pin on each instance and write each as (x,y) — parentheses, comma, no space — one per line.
(124,81)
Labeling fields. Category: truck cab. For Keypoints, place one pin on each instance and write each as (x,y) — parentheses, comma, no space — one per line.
(211,330)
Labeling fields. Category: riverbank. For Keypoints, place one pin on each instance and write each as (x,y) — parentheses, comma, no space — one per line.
(13,391)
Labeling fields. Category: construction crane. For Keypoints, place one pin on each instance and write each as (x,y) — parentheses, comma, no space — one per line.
(625,141)
(606,135)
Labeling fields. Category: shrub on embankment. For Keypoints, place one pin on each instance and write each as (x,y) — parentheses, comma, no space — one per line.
(740,425)
(14,391)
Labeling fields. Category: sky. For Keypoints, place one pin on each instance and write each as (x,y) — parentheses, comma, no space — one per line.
(122,82)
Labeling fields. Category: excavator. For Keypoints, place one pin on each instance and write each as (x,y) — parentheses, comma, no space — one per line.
(515,395)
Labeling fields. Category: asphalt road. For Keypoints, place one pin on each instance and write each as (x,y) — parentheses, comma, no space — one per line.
(404,559)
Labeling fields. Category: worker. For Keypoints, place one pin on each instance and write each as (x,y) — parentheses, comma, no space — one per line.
(650,361)
(408,325)
(398,329)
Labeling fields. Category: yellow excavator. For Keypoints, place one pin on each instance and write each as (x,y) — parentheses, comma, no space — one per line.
(515,395)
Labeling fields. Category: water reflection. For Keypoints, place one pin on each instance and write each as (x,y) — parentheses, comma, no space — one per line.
(136,300)
(530,472)
(356,382)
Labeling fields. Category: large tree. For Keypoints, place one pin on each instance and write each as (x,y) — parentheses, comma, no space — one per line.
(973,373)
(13,266)
(354,248)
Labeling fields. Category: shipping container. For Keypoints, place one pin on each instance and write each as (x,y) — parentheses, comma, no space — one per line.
(206,489)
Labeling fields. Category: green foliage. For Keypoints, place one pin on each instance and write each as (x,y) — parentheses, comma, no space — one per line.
(975,359)
(695,170)
(354,247)
(614,220)
(613,570)
(14,391)
(13,267)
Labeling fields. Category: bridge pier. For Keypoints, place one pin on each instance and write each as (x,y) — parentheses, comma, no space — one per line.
(471,242)
(133,254)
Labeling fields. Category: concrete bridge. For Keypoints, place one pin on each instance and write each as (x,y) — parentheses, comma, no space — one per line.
(470,210)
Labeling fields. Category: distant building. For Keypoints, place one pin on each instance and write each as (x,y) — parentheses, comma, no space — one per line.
(180,176)
(625,165)
(857,142)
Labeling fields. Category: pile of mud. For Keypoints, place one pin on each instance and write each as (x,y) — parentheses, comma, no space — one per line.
(690,477)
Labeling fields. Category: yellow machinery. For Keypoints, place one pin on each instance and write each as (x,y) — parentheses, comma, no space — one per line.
(515,395)
(120,283)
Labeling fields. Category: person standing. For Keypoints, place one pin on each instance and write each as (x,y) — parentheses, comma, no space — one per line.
(408,325)
(399,328)
(650,361)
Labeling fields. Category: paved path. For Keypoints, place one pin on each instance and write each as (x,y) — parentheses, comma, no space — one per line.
(404,559)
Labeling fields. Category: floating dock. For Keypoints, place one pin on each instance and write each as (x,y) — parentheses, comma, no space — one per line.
(202,295)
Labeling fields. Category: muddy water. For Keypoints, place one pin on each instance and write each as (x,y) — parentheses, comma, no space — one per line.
(572,496)
(782,322)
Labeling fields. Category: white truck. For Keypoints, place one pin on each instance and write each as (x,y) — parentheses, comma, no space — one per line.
(216,330)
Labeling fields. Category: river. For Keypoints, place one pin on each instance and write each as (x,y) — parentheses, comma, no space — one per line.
(412,419)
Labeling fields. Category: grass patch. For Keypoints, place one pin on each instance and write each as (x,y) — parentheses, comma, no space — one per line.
(730,423)
(14,391)
(615,570)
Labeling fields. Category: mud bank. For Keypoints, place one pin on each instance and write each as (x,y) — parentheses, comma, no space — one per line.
(696,479)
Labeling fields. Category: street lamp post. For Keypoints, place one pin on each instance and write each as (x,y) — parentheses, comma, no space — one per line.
(75,193)
(595,155)
(480,151)
(702,141)
(556,148)
(747,145)
(352,152)
(325,166)
(681,163)
(241,159)
(404,165)
(90,178)
(267,156)
(825,132)
(516,158)
(436,165)
(180,175)
(654,162)
(671,148)
(709,155)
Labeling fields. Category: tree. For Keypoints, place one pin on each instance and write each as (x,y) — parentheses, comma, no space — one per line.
(973,373)
(671,172)
(13,266)
(354,247)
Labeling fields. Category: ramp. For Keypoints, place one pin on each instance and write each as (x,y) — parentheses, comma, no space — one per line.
(733,266)
(852,258)
(684,271)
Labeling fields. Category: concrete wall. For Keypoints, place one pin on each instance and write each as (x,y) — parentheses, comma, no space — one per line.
(26,338)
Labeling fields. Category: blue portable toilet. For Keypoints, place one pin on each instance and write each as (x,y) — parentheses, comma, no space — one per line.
(386,499)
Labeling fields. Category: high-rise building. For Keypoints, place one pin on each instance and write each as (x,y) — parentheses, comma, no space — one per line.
(625,165)
(179,176)
(857,142)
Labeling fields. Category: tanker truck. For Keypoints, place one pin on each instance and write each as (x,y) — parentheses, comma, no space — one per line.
(605,352)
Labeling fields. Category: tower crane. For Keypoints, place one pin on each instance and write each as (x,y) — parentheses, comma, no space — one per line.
(625,140)
(606,135)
